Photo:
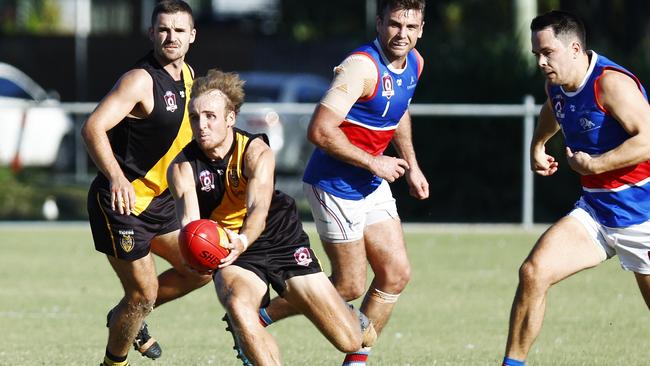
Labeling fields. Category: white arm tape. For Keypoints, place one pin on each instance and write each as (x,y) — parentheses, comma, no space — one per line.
(244,240)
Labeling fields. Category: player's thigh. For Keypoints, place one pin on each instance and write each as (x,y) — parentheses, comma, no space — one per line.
(385,248)
(567,247)
(138,276)
(383,236)
(643,280)
(315,296)
(167,247)
(237,286)
(347,260)
(314,293)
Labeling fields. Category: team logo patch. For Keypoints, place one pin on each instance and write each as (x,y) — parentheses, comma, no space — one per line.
(233,177)
(170,101)
(558,106)
(586,124)
(207,180)
(302,256)
(126,240)
(387,86)
(412,84)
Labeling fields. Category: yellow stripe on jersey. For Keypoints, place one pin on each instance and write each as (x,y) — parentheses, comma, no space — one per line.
(155,181)
(232,210)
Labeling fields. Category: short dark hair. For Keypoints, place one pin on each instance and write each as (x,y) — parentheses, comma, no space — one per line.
(391,5)
(171,7)
(562,23)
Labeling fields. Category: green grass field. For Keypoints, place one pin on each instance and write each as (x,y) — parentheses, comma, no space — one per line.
(55,291)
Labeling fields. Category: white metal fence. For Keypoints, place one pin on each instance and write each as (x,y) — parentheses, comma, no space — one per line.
(527,110)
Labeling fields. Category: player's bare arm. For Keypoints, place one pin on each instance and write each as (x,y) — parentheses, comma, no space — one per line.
(259,167)
(355,78)
(620,96)
(547,126)
(403,143)
(131,96)
(180,177)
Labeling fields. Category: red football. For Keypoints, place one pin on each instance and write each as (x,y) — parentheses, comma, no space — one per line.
(200,243)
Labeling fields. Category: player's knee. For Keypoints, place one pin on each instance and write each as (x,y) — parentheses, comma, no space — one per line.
(241,309)
(140,306)
(198,280)
(143,296)
(350,343)
(348,337)
(403,277)
(194,278)
(395,278)
(349,287)
(350,290)
(532,276)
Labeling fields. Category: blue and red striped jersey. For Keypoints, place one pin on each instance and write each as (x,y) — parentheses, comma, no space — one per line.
(369,125)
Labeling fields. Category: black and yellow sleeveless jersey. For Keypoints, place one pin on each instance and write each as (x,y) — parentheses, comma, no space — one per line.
(221,192)
(144,148)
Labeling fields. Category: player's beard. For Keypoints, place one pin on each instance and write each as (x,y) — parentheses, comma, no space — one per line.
(169,55)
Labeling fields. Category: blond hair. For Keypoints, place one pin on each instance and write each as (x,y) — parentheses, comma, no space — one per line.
(228,83)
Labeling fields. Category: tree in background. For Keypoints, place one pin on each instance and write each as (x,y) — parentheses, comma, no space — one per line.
(29,16)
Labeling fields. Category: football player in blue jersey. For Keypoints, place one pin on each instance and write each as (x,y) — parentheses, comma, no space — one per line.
(602,110)
(346,179)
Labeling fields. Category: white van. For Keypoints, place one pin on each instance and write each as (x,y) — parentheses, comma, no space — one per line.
(32,123)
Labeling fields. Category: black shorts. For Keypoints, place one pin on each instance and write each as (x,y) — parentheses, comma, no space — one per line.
(276,264)
(127,237)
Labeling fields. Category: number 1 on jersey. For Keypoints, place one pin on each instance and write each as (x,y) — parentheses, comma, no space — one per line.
(386,109)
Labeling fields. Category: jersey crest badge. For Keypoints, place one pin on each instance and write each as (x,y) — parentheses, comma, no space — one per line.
(170,101)
(207,180)
(387,86)
(126,240)
(302,256)
(233,177)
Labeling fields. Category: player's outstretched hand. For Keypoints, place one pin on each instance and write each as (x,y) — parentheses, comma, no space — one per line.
(388,167)
(236,247)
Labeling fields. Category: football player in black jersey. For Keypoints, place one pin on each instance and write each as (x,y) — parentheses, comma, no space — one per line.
(132,136)
(227,175)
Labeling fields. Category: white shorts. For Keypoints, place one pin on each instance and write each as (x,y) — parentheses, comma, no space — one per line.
(632,243)
(339,220)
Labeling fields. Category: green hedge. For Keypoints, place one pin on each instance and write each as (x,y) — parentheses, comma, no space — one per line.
(23,194)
